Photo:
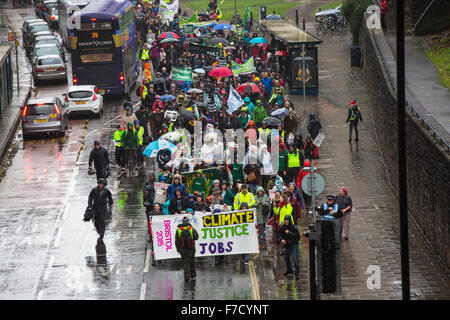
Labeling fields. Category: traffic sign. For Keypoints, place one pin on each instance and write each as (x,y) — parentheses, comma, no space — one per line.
(313,184)
(11,36)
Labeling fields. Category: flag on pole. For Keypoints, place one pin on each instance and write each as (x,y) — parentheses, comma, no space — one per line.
(234,101)
(246,16)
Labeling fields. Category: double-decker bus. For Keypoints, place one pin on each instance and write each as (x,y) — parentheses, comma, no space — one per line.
(103,44)
(66,10)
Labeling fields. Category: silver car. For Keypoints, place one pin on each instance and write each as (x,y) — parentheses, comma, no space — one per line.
(50,67)
(44,115)
(48,39)
(26,23)
(32,30)
(45,50)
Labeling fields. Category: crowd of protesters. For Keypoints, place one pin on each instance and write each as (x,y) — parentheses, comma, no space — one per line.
(204,100)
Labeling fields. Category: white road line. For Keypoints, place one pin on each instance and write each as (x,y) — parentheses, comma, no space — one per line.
(87,135)
(130,223)
(40,294)
(19,228)
(58,235)
(134,234)
(3,230)
(49,267)
(143,290)
(147,261)
(130,269)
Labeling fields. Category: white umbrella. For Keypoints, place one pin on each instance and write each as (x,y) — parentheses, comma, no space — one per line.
(200,71)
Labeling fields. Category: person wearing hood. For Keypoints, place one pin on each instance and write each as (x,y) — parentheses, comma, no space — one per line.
(199,183)
(266,169)
(185,238)
(282,156)
(298,206)
(311,150)
(259,113)
(354,115)
(98,201)
(235,122)
(176,183)
(244,117)
(293,163)
(150,187)
(128,117)
(251,133)
(179,203)
(298,140)
(100,157)
(130,143)
(262,211)
(200,204)
(290,236)
(248,102)
(314,126)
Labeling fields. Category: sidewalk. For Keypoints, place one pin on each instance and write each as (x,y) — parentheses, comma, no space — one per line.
(374,231)
(10,120)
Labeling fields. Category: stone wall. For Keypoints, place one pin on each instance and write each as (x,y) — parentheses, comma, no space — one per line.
(428,165)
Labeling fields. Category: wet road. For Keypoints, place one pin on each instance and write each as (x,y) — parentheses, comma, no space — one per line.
(48,252)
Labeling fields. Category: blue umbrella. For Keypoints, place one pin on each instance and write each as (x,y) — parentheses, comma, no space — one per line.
(222,26)
(167,97)
(258,40)
(153,148)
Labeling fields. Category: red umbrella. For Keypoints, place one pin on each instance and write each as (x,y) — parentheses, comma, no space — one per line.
(165,35)
(248,88)
(282,53)
(263,45)
(220,72)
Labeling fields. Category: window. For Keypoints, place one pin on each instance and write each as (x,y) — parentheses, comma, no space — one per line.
(80,94)
(46,51)
(48,61)
(96,57)
(36,110)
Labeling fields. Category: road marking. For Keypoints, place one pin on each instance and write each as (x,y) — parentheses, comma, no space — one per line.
(3,230)
(130,223)
(91,132)
(143,290)
(147,261)
(255,286)
(19,228)
(49,267)
(130,269)
(134,234)
(40,294)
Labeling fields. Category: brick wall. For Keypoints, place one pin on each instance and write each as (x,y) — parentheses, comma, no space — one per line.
(428,165)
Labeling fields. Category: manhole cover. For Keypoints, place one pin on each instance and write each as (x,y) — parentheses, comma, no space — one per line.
(365,208)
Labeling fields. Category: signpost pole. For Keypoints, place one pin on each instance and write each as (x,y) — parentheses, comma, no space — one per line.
(17,61)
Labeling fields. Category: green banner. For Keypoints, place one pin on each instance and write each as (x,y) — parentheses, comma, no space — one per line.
(243,68)
(202,49)
(181,74)
(193,18)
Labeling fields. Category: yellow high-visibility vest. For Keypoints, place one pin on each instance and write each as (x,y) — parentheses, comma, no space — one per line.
(145,54)
(293,160)
(118,138)
(141,135)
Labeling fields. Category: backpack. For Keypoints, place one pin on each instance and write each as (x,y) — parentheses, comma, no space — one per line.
(186,241)
(316,152)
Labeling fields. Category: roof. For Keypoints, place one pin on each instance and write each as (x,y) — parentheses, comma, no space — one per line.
(4,51)
(287,32)
(105,8)
(41,100)
(82,87)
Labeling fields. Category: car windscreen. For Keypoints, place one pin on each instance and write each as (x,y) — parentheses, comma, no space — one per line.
(80,94)
(40,109)
(48,61)
(39,27)
(46,51)
(46,41)
(51,4)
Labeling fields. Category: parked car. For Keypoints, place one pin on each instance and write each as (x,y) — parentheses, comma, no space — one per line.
(50,67)
(84,99)
(45,50)
(26,23)
(53,18)
(44,115)
(48,39)
(32,30)
(47,6)
(33,37)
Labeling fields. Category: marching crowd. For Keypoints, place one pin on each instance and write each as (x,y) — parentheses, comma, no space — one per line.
(267,111)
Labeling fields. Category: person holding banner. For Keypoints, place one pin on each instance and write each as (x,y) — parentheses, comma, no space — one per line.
(185,238)
(179,203)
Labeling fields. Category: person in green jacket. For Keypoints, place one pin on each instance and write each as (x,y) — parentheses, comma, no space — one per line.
(244,117)
(226,194)
(281,161)
(236,172)
(259,113)
(199,183)
(130,142)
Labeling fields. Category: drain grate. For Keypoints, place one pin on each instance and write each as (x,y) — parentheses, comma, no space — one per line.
(365,208)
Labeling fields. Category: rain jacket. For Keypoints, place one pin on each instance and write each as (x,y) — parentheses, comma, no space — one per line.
(265,201)
(130,139)
(184,252)
(228,197)
(259,113)
(240,198)
(249,104)
(292,237)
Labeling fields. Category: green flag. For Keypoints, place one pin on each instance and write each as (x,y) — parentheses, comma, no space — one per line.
(193,18)
(246,16)
(181,74)
(243,68)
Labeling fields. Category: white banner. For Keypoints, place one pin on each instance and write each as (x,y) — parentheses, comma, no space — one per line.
(319,139)
(223,233)
(234,101)
(168,10)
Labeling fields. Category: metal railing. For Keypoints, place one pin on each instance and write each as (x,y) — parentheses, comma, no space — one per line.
(409,106)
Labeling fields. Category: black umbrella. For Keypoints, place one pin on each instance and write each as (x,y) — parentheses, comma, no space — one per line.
(196,40)
(218,40)
(186,114)
(272,121)
(280,113)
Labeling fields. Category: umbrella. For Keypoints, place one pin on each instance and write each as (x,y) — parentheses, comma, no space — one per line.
(219,40)
(274,17)
(258,40)
(165,35)
(199,70)
(263,45)
(195,90)
(248,88)
(222,26)
(272,121)
(230,48)
(186,114)
(204,36)
(191,40)
(167,97)
(153,148)
(171,136)
(282,53)
(280,112)
(169,40)
(220,72)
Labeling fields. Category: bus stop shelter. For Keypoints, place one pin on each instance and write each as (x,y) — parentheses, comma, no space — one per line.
(286,37)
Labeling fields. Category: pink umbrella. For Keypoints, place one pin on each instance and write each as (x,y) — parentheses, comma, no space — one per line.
(220,72)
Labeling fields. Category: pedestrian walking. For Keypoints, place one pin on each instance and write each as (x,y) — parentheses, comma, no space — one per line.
(314,126)
(185,238)
(290,237)
(98,201)
(383,12)
(354,115)
(262,207)
(99,156)
(345,204)
(294,163)
(118,143)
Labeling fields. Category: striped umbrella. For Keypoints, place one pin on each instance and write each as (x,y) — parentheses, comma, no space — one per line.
(166,35)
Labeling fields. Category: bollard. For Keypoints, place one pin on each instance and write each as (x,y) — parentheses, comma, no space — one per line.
(296,17)
(304,27)
(312,264)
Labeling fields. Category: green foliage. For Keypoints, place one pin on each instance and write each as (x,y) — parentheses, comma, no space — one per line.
(353,11)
